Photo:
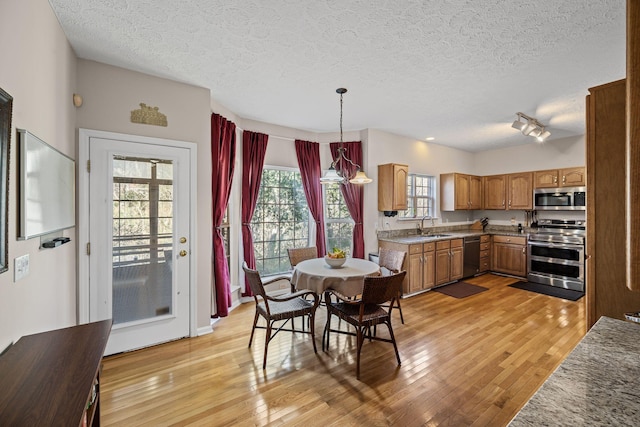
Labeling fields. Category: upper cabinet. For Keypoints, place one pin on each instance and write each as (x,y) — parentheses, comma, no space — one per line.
(520,191)
(392,187)
(460,192)
(510,191)
(495,191)
(568,177)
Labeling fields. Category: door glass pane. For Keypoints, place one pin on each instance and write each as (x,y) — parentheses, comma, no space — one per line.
(142,238)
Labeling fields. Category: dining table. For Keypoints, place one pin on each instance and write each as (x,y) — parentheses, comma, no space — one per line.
(317,276)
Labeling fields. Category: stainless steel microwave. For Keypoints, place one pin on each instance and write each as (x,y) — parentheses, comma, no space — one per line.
(560,199)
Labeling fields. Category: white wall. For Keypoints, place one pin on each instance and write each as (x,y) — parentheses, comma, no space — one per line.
(38,70)
(554,154)
(111,93)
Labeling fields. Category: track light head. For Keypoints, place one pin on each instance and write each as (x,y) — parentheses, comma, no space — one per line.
(531,127)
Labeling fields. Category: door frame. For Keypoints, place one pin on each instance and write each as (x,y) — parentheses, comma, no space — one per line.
(84,137)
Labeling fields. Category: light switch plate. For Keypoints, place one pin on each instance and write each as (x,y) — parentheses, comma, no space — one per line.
(21,267)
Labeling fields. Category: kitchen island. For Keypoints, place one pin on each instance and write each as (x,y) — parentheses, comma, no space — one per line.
(598,384)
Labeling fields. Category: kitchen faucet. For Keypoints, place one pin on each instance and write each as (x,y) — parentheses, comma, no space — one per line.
(421,227)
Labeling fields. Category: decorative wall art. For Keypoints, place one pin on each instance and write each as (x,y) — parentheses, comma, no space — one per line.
(148,115)
(6,107)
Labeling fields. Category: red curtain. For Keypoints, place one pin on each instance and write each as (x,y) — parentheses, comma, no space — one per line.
(254,147)
(352,193)
(223,153)
(308,154)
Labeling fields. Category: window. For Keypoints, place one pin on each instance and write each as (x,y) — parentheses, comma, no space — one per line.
(338,221)
(421,196)
(280,221)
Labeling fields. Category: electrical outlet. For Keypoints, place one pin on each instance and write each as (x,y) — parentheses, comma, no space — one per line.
(513,220)
(20,267)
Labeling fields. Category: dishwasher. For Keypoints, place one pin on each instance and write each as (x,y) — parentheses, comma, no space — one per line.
(471,265)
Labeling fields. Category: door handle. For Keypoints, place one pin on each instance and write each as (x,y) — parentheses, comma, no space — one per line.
(183,253)
(183,240)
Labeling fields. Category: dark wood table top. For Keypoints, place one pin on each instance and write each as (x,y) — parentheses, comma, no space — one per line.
(46,378)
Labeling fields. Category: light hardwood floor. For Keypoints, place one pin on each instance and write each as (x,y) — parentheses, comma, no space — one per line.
(472,361)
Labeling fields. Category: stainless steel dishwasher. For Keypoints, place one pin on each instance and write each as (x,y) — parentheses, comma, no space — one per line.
(471,256)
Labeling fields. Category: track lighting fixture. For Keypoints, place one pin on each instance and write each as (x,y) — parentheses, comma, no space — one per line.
(530,126)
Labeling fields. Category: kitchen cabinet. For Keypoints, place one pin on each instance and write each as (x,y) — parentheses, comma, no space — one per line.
(509,255)
(460,192)
(606,290)
(495,191)
(520,191)
(392,187)
(485,253)
(449,260)
(567,177)
(510,191)
(419,264)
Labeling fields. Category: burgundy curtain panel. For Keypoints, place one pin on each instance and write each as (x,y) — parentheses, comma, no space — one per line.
(352,193)
(308,154)
(254,147)
(223,153)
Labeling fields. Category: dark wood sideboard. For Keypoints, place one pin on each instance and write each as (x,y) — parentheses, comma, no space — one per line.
(53,378)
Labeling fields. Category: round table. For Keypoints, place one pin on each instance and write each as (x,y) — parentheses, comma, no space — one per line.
(317,276)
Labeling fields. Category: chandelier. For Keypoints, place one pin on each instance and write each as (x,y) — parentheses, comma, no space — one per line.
(337,173)
(531,127)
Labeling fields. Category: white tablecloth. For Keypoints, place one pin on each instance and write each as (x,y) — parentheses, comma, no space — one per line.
(317,276)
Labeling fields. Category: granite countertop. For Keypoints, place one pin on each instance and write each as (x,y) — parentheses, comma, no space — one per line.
(598,384)
(444,235)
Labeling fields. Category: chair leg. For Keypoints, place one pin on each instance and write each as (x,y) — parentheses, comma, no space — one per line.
(325,335)
(393,340)
(313,330)
(360,336)
(255,322)
(266,345)
(400,310)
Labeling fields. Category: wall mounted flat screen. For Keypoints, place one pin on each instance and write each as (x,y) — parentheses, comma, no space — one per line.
(47,180)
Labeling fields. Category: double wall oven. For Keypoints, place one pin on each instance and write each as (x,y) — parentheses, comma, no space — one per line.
(556,254)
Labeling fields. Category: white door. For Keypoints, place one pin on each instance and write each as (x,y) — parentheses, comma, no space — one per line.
(139,239)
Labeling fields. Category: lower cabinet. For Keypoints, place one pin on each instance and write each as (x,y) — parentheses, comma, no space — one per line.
(449,260)
(421,269)
(509,255)
(485,253)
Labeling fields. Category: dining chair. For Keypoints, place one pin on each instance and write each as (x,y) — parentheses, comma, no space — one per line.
(391,262)
(297,255)
(280,308)
(365,312)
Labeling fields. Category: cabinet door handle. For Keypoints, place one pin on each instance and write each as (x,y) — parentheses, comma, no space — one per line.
(502,202)
(564,179)
(555,179)
(524,250)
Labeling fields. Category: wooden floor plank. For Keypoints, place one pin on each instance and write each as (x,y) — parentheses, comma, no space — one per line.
(471,361)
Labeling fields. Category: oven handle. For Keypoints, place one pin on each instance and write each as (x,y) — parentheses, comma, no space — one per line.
(557,245)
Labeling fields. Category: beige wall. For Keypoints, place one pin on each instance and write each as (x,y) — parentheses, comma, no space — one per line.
(38,70)
(111,93)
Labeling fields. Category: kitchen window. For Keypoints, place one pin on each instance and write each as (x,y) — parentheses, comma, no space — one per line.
(421,197)
(337,220)
(280,220)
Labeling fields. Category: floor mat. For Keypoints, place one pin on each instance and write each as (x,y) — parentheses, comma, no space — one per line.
(548,290)
(460,289)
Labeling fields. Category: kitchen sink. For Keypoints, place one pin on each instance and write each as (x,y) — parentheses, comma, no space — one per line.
(437,235)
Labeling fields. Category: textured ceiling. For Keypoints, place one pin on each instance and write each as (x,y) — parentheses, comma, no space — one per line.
(457,70)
